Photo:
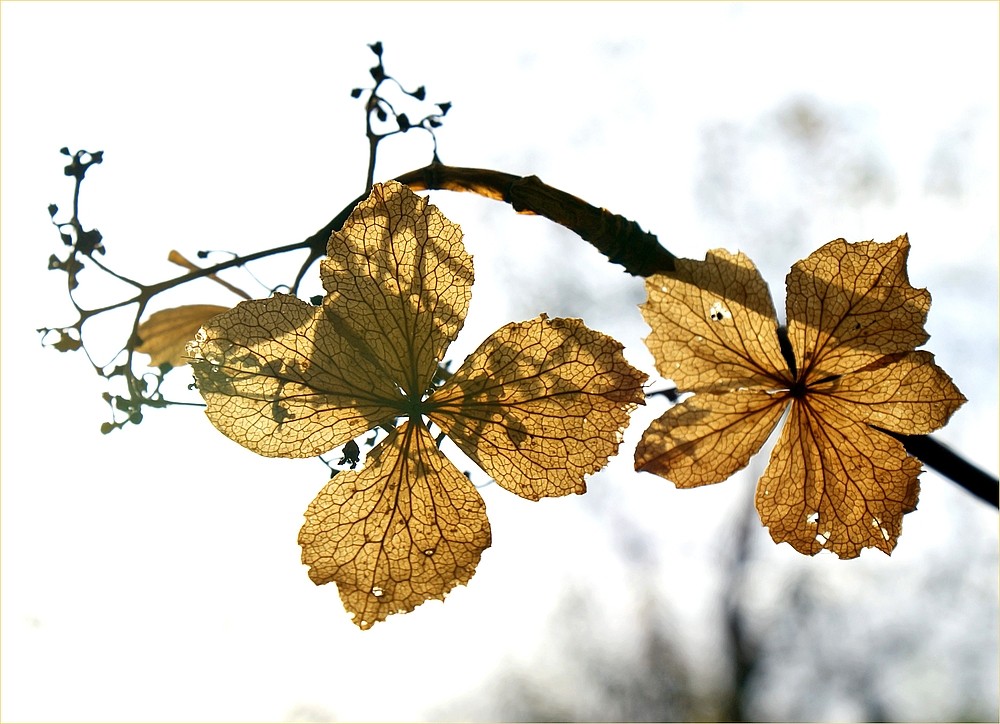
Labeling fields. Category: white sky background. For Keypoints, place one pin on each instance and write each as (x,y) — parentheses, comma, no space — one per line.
(153,574)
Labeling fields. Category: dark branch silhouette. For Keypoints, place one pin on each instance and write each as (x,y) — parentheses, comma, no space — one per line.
(947,462)
(622,241)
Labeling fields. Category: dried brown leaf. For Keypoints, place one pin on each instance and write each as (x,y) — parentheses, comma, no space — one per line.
(905,393)
(713,324)
(833,483)
(166,333)
(709,437)
(278,379)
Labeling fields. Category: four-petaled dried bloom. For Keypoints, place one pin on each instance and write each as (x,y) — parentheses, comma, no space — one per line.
(836,480)
(538,406)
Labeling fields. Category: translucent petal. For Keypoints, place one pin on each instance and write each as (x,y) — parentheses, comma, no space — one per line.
(406,529)
(540,404)
(713,326)
(851,304)
(905,393)
(279,381)
(399,278)
(836,484)
(708,437)
(165,335)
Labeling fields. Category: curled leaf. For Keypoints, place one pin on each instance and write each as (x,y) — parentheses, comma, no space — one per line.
(166,333)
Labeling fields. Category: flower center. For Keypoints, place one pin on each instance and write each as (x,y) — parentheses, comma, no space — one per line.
(412,405)
(799,389)
(802,387)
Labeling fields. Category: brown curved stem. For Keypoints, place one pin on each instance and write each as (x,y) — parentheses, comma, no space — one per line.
(618,238)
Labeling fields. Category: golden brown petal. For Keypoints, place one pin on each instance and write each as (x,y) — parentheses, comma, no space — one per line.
(905,393)
(400,281)
(165,335)
(540,405)
(836,484)
(707,438)
(406,529)
(713,326)
(279,380)
(851,304)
